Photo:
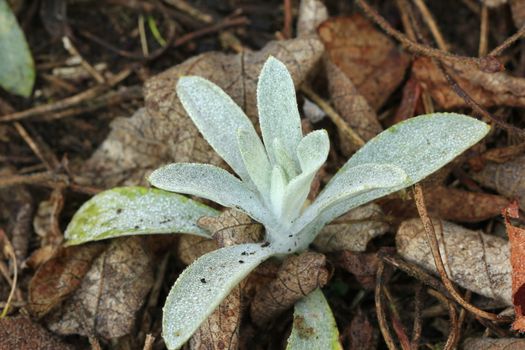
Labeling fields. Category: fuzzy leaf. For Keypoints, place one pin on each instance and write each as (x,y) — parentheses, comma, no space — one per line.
(278,187)
(125,211)
(203,285)
(284,160)
(17,70)
(419,146)
(277,105)
(217,117)
(210,182)
(255,160)
(314,325)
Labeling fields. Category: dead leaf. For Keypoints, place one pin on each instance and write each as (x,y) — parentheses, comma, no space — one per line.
(361,334)
(46,222)
(487,89)
(110,294)
(362,265)
(21,333)
(493,344)
(370,60)
(449,203)
(190,248)
(311,14)
(517,260)
(55,280)
(353,230)
(474,260)
(351,105)
(232,227)
(298,276)
(506,179)
(163,129)
(409,101)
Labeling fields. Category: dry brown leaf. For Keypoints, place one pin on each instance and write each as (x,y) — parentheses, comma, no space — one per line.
(507,178)
(221,328)
(311,14)
(232,227)
(518,12)
(298,276)
(449,204)
(474,260)
(361,334)
(20,333)
(190,248)
(487,89)
(110,294)
(517,259)
(493,344)
(362,265)
(164,130)
(352,106)
(46,222)
(409,101)
(55,280)
(353,230)
(368,57)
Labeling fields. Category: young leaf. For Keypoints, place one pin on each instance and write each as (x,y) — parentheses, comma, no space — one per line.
(17,70)
(277,105)
(314,325)
(125,211)
(210,182)
(278,186)
(217,117)
(255,160)
(203,285)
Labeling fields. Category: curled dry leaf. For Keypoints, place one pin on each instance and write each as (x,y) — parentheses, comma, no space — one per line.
(298,276)
(517,259)
(47,219)
(56,279)
(232,227)
(353,230)
(163,128)
(474,260)
(110,294)
(21,333)
(493,344)
(505,178)
(221,328)
(368,57)
(487,89)
(311,14)
(351,105)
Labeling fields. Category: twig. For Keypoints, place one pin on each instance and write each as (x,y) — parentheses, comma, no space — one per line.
(148,343)
(453,335)
(396,321)
(484,32)
(509,41)
(287,27)
(417,327)
(380,308)
(68,45)
(228,22)
(487,64)
(7,250)
(67,102)
(143,38)
(432,25)
(183,6)
(50,161)
(440,266)
(353,138)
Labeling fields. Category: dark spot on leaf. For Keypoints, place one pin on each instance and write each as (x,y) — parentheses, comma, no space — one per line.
(203,280)
(289,249)
(136,227)
(290,236)
(241,261)
(265,244)
(119,210)
(244,253)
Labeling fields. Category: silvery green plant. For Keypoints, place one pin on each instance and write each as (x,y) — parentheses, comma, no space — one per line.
(274,179)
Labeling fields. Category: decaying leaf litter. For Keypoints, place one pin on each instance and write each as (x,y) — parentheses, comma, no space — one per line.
(364,67)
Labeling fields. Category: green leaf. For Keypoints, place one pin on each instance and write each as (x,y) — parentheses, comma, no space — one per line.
(125,211)
(203,285)
(17,69)
(210,182)
(255,159)
(217,117)
(277,105)
(314,325)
